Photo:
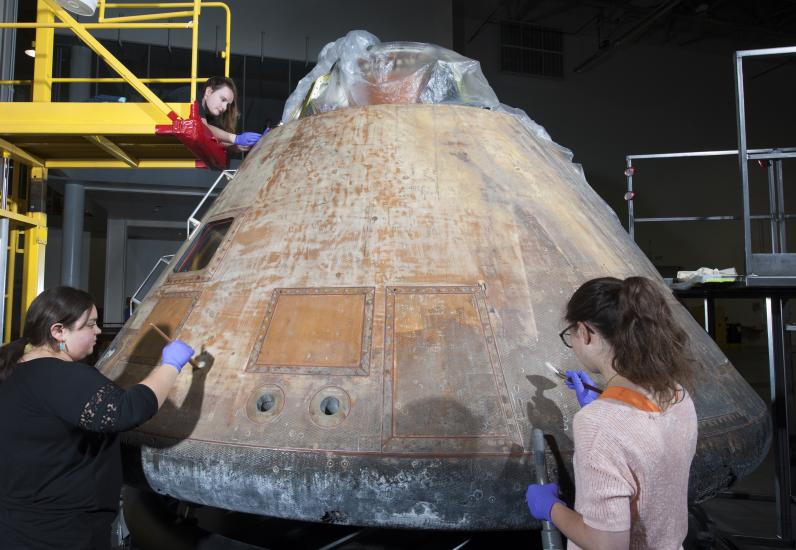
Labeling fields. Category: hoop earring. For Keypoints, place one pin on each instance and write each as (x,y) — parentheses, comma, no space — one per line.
(61,346)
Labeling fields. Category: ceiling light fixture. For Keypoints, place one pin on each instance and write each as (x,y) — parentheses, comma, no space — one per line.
(80,7)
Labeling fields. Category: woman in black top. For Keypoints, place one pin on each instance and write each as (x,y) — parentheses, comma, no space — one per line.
(60,469)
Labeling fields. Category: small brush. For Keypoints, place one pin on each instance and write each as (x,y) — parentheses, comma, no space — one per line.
(563,376)
(194,363)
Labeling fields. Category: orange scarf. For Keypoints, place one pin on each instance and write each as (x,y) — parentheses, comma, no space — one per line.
(631,397)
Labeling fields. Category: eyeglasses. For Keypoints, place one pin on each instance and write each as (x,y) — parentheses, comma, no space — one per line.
(567,333)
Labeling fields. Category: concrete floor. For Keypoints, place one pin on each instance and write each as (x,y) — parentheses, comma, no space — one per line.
(751,517)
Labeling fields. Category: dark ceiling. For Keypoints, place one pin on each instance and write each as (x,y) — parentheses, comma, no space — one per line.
(717,25)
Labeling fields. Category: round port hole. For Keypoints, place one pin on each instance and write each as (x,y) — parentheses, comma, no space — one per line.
(266,402)
(330,406)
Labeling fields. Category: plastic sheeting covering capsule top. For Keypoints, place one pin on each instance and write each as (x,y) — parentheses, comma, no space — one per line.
(358,70)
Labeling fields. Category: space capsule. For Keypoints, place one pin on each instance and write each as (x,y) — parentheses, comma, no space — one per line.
(381,288)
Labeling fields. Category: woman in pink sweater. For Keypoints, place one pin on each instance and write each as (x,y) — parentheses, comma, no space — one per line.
(634,443)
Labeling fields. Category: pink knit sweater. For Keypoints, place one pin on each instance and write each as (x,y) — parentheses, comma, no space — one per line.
(631,470)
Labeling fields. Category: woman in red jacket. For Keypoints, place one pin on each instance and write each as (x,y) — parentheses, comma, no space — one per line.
(218,107)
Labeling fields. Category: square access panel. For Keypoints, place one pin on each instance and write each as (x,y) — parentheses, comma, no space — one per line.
(444,386)
(315,331)
(168,315)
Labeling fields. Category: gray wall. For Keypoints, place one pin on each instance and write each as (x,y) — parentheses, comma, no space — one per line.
(141,257)
(52,258)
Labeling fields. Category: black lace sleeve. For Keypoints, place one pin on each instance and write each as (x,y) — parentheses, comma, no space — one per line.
(101,412)
(82,397)
(112,409)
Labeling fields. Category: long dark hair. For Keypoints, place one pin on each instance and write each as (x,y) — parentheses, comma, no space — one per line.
(650,347)
(61,304)
(229,118)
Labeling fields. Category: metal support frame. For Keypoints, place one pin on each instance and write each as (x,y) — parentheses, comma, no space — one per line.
(35,238)
(33,266)
(101,123)
(20,154)
(776,197)
(8,298)
(192,223)
(22,235)
(778,331)
(4,226)
(7,55)
(111,60)
(773,156)
(777,267)
(709,316)
(45,25)
(776,274)
(8,38)
(778,263)
(113,150)
(72,234)
(23,228)
(779,368)
(43,64)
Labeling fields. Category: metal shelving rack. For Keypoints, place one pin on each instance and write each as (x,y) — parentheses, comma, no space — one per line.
(777,267)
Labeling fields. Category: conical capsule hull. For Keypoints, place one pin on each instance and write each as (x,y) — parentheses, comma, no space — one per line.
(381,290)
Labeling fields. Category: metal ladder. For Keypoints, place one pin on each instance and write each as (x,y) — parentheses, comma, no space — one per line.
(192,223)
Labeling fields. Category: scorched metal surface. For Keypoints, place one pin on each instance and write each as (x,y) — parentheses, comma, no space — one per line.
(380,288)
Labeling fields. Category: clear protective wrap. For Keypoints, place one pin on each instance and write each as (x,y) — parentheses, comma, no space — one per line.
(358,70)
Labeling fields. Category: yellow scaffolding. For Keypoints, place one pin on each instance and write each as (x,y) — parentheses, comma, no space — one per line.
(42,134)
(27,238)
(108,135)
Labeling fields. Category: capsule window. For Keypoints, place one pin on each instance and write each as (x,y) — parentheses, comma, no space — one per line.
(204,246)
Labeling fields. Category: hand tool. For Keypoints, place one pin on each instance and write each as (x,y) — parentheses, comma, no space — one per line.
(195,364)
(568,379)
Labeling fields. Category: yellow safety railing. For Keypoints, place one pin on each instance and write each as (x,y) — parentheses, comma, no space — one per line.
(48,10)
(27,220)
(27,238)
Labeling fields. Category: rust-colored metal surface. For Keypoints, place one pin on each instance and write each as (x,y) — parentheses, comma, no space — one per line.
(316,331)
(380,312)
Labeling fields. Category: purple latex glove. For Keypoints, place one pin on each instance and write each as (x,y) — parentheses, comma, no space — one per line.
(575,381)
(541,498)
(247,139)
(177,354)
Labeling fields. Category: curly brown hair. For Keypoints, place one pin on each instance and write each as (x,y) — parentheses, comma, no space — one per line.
(229,118)
(633,315)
